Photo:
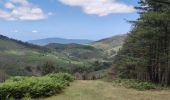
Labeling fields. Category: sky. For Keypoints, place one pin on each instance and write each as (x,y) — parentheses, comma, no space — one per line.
(74,19)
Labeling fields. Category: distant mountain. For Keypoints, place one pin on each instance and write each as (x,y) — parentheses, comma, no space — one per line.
(46,41)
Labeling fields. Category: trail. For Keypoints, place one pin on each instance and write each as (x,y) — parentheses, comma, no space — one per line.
(100,90)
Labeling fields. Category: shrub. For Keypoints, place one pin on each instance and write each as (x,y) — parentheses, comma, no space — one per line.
(35,87)
(135,84)
(48,67)
(62,76)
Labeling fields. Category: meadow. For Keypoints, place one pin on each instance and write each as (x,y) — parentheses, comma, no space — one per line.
(101,90)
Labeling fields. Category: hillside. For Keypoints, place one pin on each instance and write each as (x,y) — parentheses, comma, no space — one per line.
(9,43)
(16,57)
(77,51)
(110,45)
(20,58)
(59,40)
(100,90)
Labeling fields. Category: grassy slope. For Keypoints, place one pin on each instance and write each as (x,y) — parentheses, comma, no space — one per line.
(110,45)
(100,90)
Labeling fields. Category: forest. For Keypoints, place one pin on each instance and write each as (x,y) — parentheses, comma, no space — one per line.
(145,54)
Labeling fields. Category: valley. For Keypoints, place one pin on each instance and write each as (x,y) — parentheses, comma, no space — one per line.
(84,50)
(24,59)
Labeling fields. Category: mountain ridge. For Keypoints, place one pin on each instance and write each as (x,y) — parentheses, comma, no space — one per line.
(46,41)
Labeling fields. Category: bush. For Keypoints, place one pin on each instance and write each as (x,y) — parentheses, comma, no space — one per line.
(48,67)
(62,76)
(48,85)
(135,84)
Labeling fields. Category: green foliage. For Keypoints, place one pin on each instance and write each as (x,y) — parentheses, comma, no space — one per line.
(145,54)
(79,51)
(3,76)
(135,84)
(48,67)
(62,76)
(19,87)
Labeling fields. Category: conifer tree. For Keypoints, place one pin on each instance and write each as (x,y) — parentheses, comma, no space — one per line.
(146,52)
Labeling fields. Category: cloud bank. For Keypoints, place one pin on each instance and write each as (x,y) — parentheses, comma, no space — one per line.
(100,7)
(22,10)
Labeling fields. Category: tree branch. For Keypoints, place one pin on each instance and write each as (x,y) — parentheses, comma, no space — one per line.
(164,2)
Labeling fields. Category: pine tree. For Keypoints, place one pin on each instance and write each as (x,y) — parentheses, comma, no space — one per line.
(146,52)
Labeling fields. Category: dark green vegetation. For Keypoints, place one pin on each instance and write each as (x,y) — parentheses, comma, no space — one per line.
(34,87)
(135,84)
(59,40)
(146,52)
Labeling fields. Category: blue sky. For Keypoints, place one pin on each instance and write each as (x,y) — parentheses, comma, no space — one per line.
(76,19)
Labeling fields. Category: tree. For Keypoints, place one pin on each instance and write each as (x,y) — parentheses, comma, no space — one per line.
(3,76)
(146,52)
(48,67)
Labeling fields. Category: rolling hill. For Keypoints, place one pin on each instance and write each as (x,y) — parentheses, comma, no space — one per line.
(16,57)
(19,58)
(79,51)
(58,40)
(22,58)
(110,45)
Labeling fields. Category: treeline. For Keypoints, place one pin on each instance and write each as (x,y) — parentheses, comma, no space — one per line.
(146,52)
(3,76)
(86,72)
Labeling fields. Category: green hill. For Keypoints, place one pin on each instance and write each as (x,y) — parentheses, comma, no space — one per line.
(20,58)
(110,45)
(79,51)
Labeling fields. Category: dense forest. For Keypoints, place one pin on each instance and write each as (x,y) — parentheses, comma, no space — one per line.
(146,52)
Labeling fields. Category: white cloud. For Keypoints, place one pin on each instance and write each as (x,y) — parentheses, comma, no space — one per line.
(9,5)
(34,31)
(100,7)
(50,14)
(22,10)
